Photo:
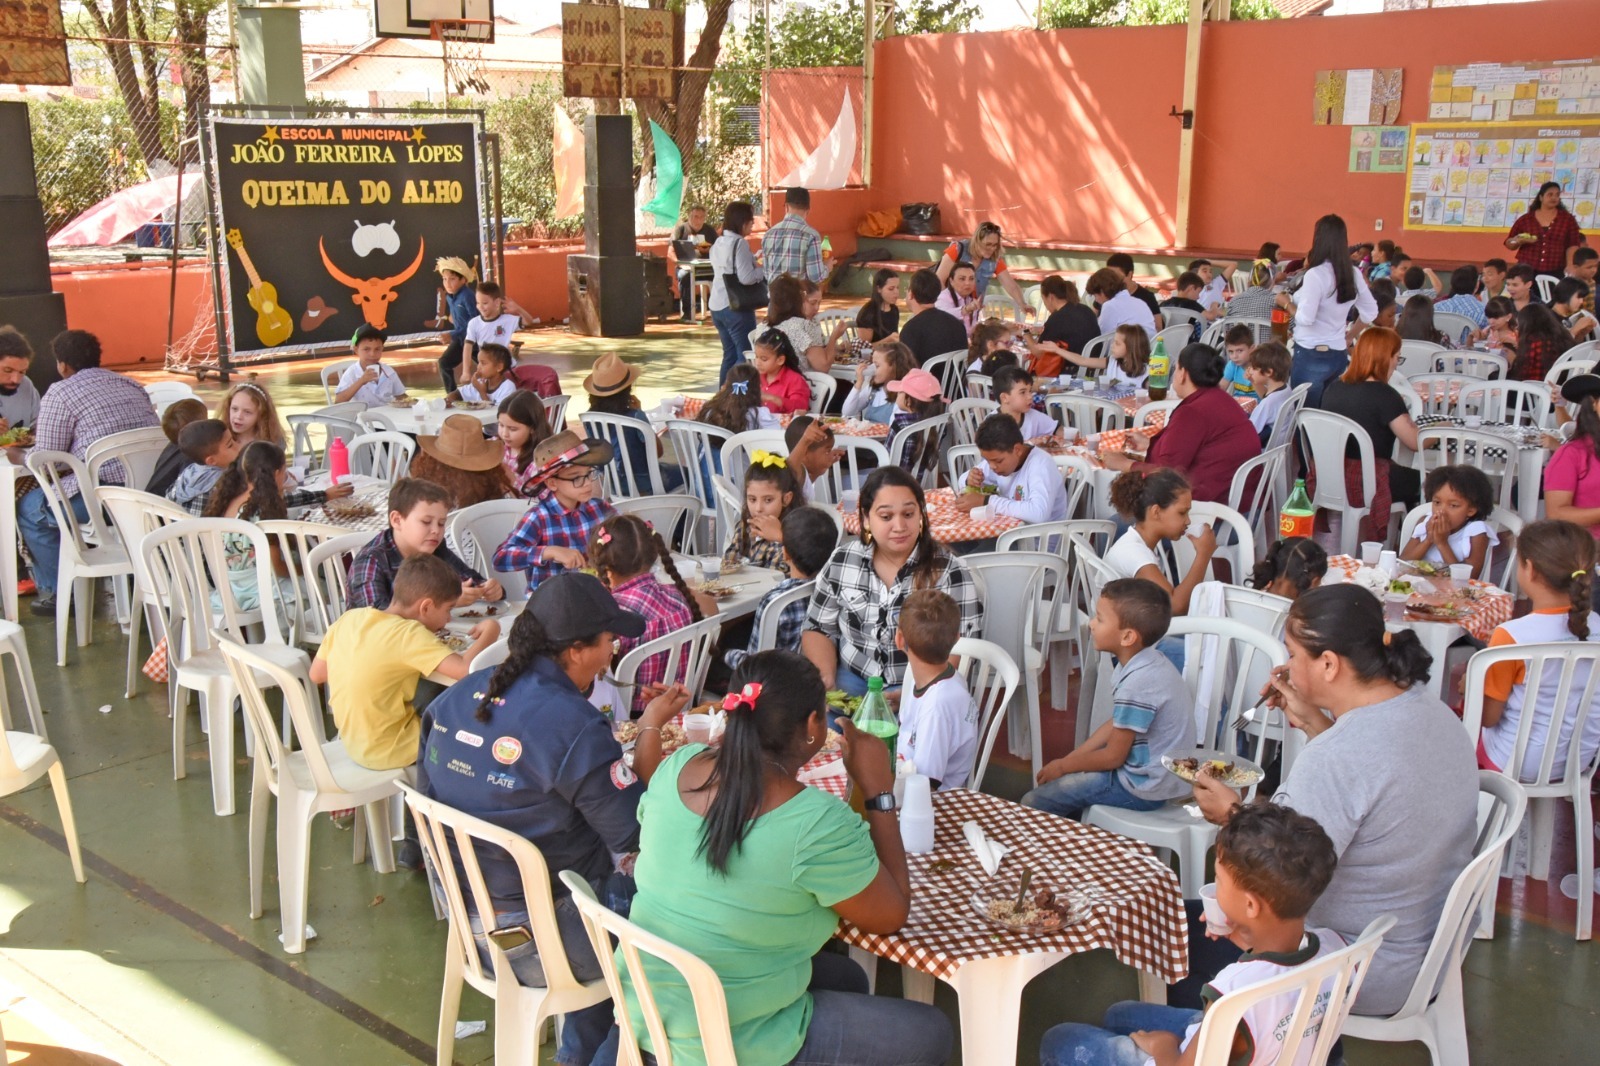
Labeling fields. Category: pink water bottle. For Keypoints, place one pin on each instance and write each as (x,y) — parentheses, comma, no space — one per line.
(338,461)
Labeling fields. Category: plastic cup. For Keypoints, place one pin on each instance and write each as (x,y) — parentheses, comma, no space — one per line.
(689,569)
(1217,923)
(1388,561)
(981,514)
(1472,421)
(849,501)
(1068,434)
(697,728)
(1461,573)
(1370,551)
(711,567)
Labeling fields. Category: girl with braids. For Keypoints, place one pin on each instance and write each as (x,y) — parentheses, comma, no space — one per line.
(522,425)
(770,489)
(623,551)
(750,870)
(1292,567)
(251,489)
(1555,570)
(1389,774)
(520,747)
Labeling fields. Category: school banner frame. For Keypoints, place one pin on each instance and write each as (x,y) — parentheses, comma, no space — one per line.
(1465,177)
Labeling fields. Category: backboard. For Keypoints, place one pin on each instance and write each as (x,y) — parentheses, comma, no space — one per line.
(415,18)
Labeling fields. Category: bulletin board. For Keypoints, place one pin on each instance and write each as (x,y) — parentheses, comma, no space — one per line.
(1502,92)
(1479,178)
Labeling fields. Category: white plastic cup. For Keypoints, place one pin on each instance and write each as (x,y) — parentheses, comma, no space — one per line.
(1388,561)
(1370,551)
(1069,434)
(916,815)
(689,569)
(711,567)
(849,501)
(697,728)
(1217,923)
(1461,573)
(1472,421)
(981,514)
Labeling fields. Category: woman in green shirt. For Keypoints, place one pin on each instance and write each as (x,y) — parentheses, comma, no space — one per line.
(776,866)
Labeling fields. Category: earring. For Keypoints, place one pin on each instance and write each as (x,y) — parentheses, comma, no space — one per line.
(810,739)
(866,534)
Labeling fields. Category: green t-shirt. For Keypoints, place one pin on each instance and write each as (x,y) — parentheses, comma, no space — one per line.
(757,927)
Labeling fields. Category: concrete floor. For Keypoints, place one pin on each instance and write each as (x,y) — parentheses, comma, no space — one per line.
(156,960)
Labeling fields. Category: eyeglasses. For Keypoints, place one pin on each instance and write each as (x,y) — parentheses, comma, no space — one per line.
(581,479)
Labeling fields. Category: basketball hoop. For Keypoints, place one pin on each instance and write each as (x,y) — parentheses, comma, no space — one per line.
(463,41)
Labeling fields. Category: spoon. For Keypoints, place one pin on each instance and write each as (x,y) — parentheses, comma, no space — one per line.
(1022,893)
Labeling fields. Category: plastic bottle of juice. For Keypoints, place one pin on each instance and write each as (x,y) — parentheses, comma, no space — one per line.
(874,716)
(1297,517)
(1160,371)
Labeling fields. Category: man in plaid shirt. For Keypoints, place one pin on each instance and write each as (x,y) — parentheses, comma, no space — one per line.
(552,536)
(86,405)
(792,246)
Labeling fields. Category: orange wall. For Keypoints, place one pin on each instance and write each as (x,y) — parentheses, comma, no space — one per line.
(1065,135)
(802,105)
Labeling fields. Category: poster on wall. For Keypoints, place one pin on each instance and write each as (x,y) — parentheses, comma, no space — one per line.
(1501,92)
(35,51)
(1480,177)
(1378,149)
(330,225)
(1366,96)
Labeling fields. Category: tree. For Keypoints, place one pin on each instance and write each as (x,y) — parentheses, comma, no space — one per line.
(1082,14)
(680,116)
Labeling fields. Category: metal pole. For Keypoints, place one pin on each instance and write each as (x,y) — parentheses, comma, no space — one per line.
(1191,84)
(218,294)
(869,22)
(177,228)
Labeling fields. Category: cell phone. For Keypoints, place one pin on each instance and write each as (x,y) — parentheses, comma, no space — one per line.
(511,936)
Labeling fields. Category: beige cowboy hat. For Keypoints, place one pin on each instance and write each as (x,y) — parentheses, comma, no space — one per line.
(562,450)
(456,265)
(610,376)
(461,444)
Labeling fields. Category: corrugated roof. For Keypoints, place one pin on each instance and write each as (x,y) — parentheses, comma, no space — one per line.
(1293,9)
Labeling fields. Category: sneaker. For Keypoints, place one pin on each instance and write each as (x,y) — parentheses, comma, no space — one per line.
(687,320)
(44,605)
(408,856)
(26,587)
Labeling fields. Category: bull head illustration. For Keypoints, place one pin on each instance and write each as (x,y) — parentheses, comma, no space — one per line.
(373,295)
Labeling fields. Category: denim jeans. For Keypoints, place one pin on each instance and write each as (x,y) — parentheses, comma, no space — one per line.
(1069,794)
(850,1027)
(1315,368)
(39,532)
(1075,1044)
(733,330)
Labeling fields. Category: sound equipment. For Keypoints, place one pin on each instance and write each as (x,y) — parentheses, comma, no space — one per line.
(38,316)
(605,295)
(608,220)
(26,298)
(605,285)
(608,151)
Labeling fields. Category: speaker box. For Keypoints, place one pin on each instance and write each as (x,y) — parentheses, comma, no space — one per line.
(27,266)
(605,295)
(38,317)
(608,220)
(608,151)
(16,152)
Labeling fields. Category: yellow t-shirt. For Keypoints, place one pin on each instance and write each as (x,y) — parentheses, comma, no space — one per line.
(375,660)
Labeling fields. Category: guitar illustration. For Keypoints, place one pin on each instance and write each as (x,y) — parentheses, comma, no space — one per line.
(273,324)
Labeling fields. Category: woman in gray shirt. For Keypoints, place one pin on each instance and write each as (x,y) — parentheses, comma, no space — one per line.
(1388,771)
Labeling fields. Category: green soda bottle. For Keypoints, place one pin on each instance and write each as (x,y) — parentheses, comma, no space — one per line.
(874,716)
(1160,371)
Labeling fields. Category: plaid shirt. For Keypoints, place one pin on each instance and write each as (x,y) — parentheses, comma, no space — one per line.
(793,247)
(745,545)
(371,580)
(80,410)
(859,613)
(664,611)
(1466,307)
(791,623)
(1548,254)
(549,525)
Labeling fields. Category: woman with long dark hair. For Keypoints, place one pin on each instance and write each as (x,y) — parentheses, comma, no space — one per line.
(850,625)
(1542,338)
(731,254)
(519,746)
(751,871)
(1392,778)
(1330,286)
(879,318)
(787,314)
(1416,322)
(1547,234)
(1572,477)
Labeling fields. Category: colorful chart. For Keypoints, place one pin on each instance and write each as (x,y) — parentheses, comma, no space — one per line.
(1480,177)
(1505,92)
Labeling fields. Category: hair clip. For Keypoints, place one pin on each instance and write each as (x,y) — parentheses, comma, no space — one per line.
(768,459)
(739,388)
(497,701)
(1578,573)
(745,697)
(604,536)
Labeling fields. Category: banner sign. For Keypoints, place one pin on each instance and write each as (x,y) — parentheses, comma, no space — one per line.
(331,224)
(1481,176)
(610,51)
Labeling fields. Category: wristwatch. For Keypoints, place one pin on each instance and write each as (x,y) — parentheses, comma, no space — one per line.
(883,801)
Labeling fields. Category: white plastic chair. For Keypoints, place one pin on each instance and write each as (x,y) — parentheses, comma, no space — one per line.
(1325,434)
(966,416)
(1547,287)
(1086,414)
(705,987)
(947,367)
(1236,541)
(992,677)
(980,387)
(697,447)
(1055,538)
(737,450)
(1419,357)
(384,455)
(1143,415)
(555,411)
(1450,446)
(1244,655)
(1000,305)
(1254,493)
(826,320)
(1090,573)
(320,776)
(672,514)
(135,450)
(1283,428)
(163,394)
(326,576)
(452,841)
(621,477)
(688,652)
(1080,475)
(861,456)
(329,376)
(1578,359)
(767,626)
(823,387)
(1556,769)
(133,514)
(1472,364)
(313,434)
(1435,1013)
(1455,327)
(1178,334)
(923,437)
(959,461)
(1317,994)
(80,562)
(1097,348)
(1513,403)
(24,758)
(730,503)
(477,533)
(303,604)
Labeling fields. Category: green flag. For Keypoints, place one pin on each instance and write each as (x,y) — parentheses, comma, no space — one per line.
(669,178)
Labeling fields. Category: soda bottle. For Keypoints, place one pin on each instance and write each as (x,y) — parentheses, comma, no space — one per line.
(1280,324)
(1297,517)
(874,716)
(1160,371)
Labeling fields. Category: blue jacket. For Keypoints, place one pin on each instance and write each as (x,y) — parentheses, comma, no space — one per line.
(463,309)
(545,766)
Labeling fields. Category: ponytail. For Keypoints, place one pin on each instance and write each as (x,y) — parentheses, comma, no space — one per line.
(777,691)
(1134,492)
(1348,621)
(1563,556)
(527,643)
(665,555)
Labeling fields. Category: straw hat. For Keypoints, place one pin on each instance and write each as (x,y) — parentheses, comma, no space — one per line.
(456,265)
(461,444)
(566,449)
(610,376)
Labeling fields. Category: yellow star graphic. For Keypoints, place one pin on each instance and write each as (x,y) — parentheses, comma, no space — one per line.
(417,134)
(271,136)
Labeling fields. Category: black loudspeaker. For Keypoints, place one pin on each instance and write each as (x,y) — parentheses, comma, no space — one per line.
(608,151)
(27,266)
(38,317)
(605,295)
(16,152)
(607,220)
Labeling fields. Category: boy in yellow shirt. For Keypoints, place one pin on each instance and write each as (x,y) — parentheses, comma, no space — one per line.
(372,659)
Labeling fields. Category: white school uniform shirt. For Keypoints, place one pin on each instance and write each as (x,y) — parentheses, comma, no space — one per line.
(1037,424)
(1126,309)
(1036,492)
(471,394)
(1265,412)
(1500,738)
(385,389)
(1129,554)
(1267,1019)
(1112,376)
(1319,318)
(1460,540)
(1212,293)
(864,396)
(939,729)
(481,331)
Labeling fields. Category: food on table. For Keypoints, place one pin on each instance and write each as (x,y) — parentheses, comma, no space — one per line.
(454,641)
(1400,588)
(843,702)
(349,508)
(403,401)
(833,742)
(1422,566)
(716,589)
(470,405)
(1444,612)
(20,437)
(672,736)
(1041,911)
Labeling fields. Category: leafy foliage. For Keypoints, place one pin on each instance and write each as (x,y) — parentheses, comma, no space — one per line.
(85,150)
(526,125)
(1080,14)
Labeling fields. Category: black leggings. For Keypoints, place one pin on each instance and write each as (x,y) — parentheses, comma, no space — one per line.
(447,365)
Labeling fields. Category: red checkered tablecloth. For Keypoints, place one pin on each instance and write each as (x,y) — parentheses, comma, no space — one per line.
(949,525)
(1136,907)
(849,427)
(1492,608)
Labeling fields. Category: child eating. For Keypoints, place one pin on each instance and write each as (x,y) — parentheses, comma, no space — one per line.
(809,538)
(1238,341)
(1158,503)
(1152,713)
(492,383)
(870,398)
(1455,530)
(1268,370)
(770,490)
(370,380)
(1028,484)
(1013,390)
(417,513)
(917,397)
(938,717)
(564,514)
(811,451)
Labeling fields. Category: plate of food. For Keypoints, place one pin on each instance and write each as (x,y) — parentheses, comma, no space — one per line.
(672,736)
(1422,566)
(455,641)
(1436,612)
(717,590)
(403,401)
(843,702)
(349,508)
(1229,769)
(482,610)
(834,742)
(472,405)
(20,437)
(1044,910)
